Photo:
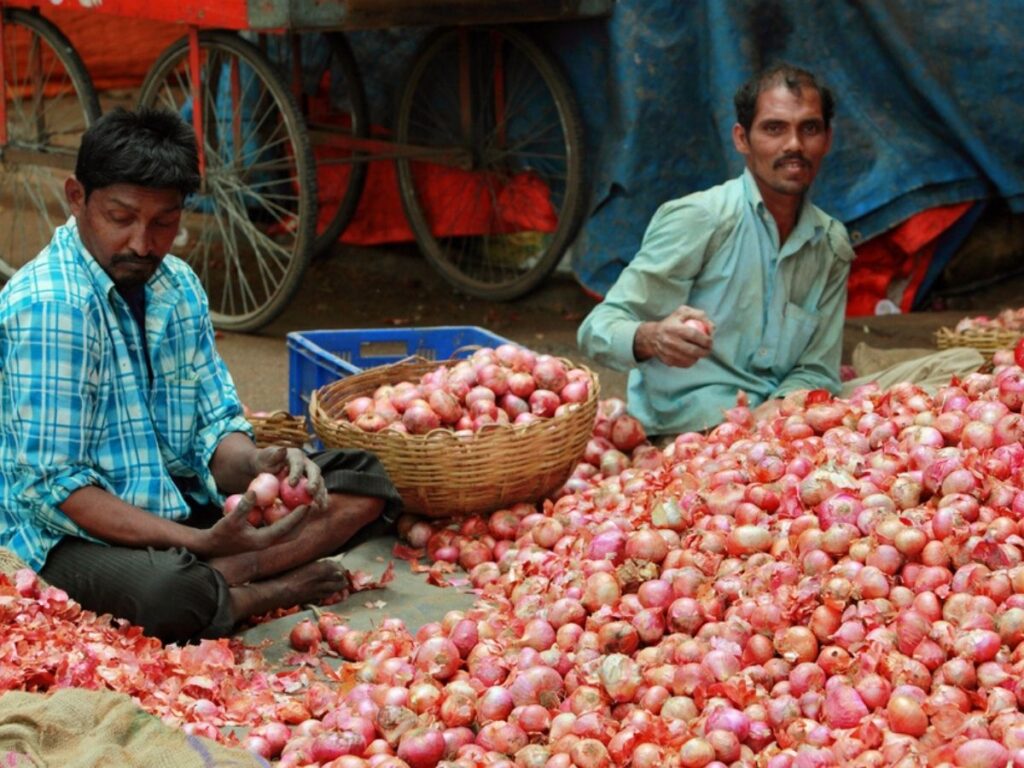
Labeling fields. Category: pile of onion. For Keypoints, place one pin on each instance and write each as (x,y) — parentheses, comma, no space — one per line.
(506,384)
(840,586)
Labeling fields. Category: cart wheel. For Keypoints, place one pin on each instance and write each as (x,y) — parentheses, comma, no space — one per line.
(50,102)
(502,197)
(249,232)
(339,179)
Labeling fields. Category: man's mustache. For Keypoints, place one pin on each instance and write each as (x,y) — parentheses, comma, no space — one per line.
(132,257)
(790,158)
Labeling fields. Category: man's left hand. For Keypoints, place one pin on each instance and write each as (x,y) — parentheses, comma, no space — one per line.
(276,459)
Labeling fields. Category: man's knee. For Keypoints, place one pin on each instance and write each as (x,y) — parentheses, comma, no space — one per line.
(354,511)
(180,602)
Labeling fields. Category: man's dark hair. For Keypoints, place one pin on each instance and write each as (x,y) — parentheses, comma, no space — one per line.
(152,148)
(794,78)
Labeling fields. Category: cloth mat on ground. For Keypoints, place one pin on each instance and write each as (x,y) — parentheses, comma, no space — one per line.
(868,360)
(76,728)
(931,370)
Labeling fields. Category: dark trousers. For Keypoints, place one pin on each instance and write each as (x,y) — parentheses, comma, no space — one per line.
(172,594)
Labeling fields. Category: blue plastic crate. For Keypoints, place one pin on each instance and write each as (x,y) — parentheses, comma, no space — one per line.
(316,358)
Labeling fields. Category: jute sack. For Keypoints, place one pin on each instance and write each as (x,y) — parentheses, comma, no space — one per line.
(76,728)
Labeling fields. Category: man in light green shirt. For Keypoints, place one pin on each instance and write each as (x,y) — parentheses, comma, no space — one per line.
(741,287)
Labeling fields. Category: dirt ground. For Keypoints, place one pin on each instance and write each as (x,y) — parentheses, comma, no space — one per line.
(395,287)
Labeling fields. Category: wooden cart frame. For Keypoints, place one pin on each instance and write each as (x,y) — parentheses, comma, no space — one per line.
(487,143)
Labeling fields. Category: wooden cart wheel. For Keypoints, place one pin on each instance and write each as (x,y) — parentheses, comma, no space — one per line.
(50,103)
(249,233)
(503,194)
(340,179)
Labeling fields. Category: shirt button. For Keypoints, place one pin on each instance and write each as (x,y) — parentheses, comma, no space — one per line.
(762,351)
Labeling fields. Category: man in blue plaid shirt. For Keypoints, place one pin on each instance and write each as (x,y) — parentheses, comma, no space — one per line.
(121,431)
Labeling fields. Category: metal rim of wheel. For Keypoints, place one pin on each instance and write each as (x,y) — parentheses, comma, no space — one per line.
(47,115)
(351,95)
(248,234)
(488,231)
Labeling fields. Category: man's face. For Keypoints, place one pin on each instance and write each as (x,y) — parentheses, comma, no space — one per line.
(127,229)
(786,142)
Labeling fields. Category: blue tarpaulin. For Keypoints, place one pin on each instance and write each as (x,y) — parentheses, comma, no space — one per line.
(930,104)
(930,97)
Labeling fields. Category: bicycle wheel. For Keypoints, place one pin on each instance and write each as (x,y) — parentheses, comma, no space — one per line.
(249,232)
(50,103)
(340,178)
(496,215)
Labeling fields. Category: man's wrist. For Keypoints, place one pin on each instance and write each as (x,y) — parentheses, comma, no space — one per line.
(643,341)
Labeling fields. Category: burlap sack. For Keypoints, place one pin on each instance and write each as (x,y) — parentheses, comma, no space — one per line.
(76,728)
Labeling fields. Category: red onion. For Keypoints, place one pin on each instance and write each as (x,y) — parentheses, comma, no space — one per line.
(305,636)
(502,736)
(981,753)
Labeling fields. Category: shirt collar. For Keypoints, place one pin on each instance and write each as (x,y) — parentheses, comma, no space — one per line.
(809,226)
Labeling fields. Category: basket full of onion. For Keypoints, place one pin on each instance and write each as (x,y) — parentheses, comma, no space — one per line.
(468,436)
(985,334)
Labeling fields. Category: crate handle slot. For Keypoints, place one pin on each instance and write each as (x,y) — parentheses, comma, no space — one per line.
(396,348)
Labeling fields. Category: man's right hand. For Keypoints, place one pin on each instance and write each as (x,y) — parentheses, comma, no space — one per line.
(677,340)
(233,533)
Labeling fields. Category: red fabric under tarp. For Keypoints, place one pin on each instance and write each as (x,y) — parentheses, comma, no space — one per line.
(901,254)
(117,51)
(459,203)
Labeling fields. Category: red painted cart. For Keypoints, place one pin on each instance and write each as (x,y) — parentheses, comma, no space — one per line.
(488,142)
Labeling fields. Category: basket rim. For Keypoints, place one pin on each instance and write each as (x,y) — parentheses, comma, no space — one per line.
(978,333)
(278,415)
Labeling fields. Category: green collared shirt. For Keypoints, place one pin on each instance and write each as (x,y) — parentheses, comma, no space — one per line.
(778,312)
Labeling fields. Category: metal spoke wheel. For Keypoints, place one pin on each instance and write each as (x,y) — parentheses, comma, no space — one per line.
(497,194)
(50,101)
(340,178)
(249,233)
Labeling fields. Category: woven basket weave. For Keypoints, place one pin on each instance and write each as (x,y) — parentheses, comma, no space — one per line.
(442,474)
(10,564)
(986,340)
(280,428)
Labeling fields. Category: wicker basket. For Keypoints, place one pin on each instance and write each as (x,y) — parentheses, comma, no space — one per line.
(280,428)
(986,340)
(442,474)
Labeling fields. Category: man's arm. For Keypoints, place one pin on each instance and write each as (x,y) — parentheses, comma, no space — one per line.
(237,461)
(625,328)
(107,518)
(679,340)
(51,370)
(223,439)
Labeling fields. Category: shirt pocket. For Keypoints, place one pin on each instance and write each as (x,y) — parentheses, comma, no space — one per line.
(798,326)
(175,407)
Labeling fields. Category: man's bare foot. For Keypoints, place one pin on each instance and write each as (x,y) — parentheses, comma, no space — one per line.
(308,584)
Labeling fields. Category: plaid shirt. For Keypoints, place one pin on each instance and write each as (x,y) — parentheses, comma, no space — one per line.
(76,404)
